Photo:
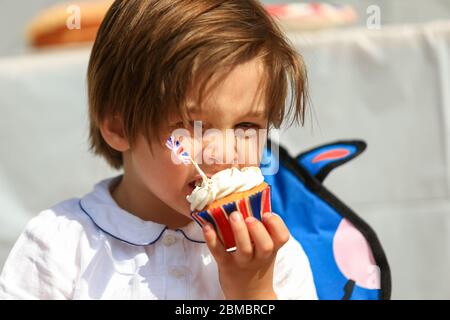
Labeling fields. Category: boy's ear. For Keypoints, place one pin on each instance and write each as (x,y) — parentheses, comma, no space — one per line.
(114,134)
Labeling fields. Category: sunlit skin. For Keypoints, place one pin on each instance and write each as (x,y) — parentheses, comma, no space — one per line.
(154,188)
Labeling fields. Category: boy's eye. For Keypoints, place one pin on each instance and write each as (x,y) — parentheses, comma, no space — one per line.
(247,125)
(190,124)
(181,124)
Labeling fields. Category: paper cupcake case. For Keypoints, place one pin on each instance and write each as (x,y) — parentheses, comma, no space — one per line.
(254,205)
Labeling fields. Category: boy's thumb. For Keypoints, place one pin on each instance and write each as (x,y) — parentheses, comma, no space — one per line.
(213,242)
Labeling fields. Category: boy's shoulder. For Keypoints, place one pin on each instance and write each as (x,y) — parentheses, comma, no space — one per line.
(68,210)
(47,256)
(64,219)
(69,218)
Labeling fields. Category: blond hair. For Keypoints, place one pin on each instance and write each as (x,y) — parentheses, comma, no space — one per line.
(148,53)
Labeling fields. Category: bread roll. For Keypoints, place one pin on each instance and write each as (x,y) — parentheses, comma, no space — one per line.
(57,25)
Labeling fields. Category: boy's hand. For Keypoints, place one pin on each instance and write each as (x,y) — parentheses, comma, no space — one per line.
(247,273)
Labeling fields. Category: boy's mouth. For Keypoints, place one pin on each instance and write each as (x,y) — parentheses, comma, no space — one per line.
(197,182)
(192,185)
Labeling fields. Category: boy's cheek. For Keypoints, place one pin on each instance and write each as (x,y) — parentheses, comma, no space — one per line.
(169,182)
(161,167)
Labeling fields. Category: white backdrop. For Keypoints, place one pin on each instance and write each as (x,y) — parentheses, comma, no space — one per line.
(389,87)
(15,14)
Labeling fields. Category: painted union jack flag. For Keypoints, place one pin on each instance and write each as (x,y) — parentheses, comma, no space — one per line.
(176,147)
(255,206)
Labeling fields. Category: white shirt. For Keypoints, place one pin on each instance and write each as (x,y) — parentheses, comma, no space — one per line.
(90,248)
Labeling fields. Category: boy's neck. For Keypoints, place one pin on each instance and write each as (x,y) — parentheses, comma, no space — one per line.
(145,205)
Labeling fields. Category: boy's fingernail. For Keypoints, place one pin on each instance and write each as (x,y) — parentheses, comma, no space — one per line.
(236,216)
(250,219)
(267,215)
(207,228)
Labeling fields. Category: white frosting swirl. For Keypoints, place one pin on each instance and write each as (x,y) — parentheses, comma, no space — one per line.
(224,183)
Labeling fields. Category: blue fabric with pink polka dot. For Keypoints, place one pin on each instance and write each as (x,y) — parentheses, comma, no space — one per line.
(346,257)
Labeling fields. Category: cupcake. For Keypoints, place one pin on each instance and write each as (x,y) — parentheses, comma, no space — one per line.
(230,190)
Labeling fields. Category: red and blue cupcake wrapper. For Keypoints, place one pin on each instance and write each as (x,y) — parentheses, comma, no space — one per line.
(254,205)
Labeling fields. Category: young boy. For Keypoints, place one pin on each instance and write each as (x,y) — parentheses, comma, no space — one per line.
(155,67)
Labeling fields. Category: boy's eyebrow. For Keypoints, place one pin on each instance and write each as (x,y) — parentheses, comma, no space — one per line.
(252,113)
(256,113)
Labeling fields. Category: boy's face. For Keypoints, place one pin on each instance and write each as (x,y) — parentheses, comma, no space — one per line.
(229,130)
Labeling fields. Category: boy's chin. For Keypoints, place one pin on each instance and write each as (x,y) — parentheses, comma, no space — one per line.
(187,216)
(184,210)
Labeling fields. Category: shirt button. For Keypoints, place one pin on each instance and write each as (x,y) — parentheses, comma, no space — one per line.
(169,240)
(176,272)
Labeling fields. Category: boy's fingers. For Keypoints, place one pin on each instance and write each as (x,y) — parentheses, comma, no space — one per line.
(263,242)
(214,244)
(244,247)
(277,229)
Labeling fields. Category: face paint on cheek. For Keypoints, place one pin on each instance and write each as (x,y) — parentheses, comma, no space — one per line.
(179,153)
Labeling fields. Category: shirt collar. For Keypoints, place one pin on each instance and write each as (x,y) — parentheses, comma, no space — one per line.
(104,212)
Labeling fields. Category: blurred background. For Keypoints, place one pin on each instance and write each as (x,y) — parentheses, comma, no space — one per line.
(379,71)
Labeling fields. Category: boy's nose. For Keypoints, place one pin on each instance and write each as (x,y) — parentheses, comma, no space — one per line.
(219,154)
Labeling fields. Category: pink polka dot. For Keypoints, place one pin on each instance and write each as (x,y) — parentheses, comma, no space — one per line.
(354,256)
